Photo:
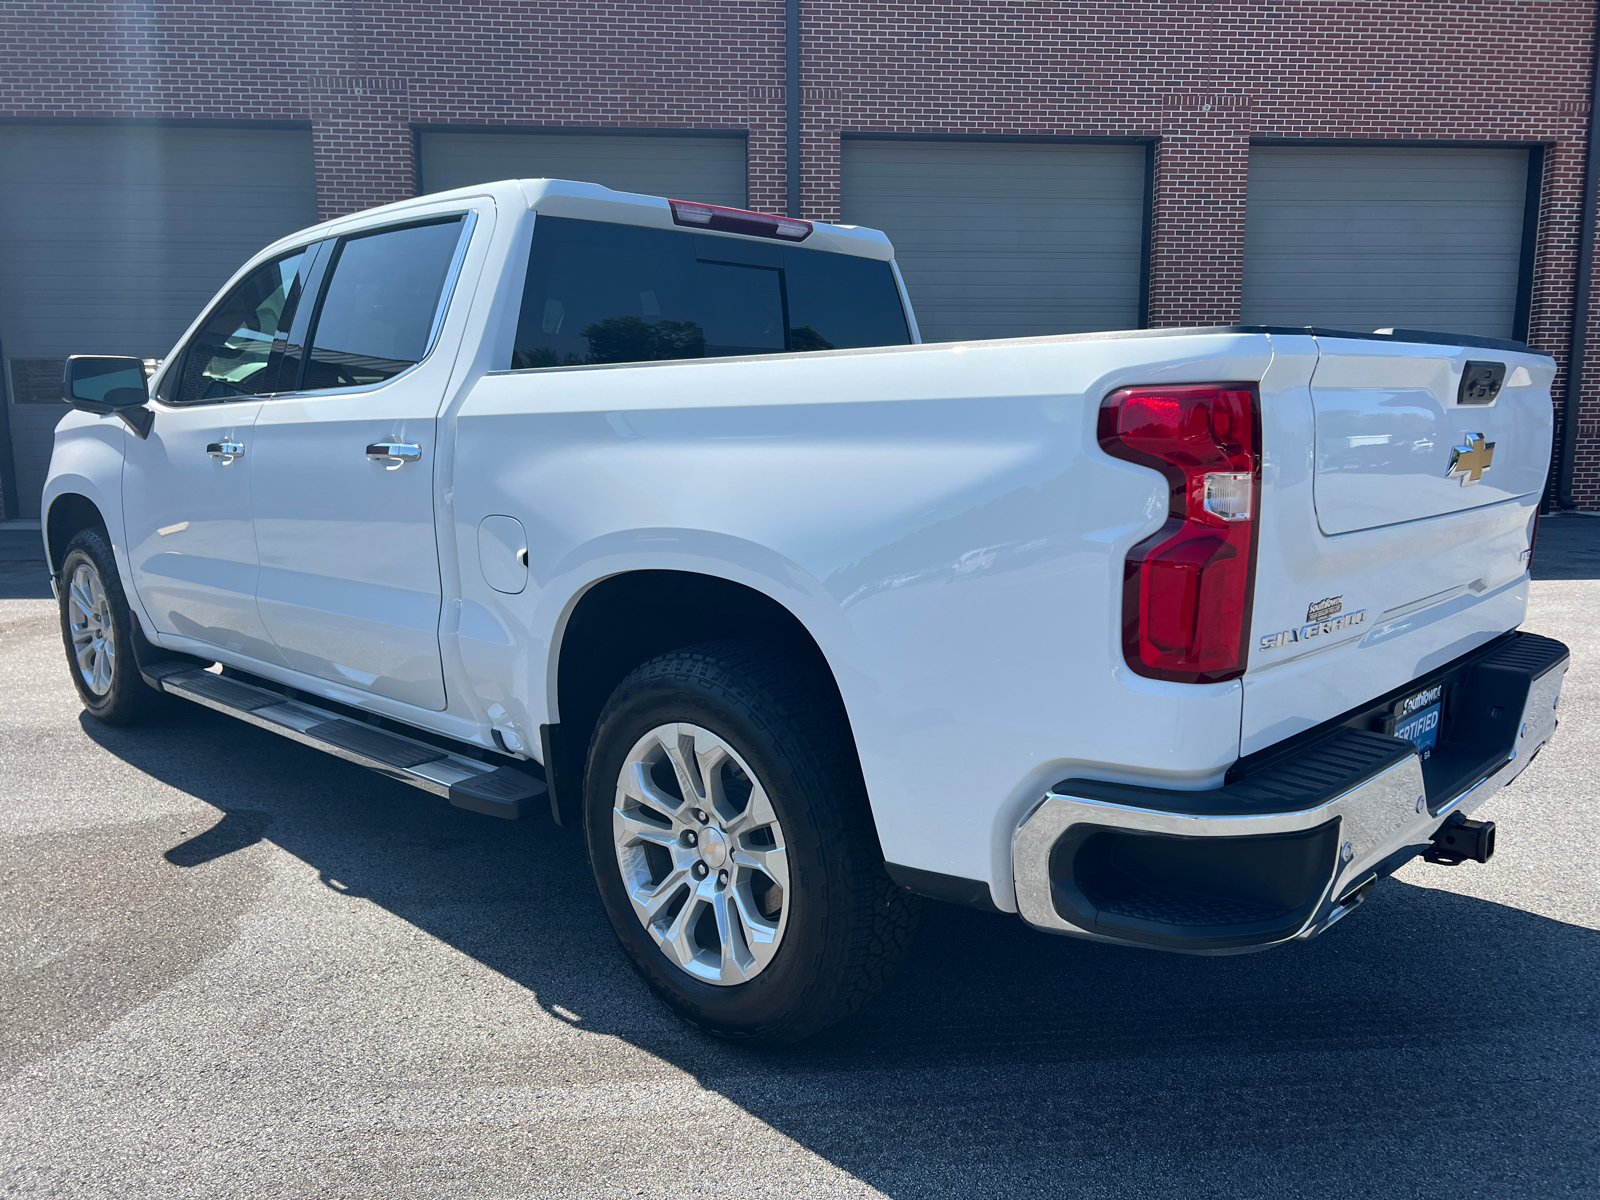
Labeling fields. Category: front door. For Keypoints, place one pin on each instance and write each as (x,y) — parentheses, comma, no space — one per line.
(186,488)
(342,478)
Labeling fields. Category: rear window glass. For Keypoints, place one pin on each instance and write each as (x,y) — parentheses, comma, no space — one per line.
(603,293)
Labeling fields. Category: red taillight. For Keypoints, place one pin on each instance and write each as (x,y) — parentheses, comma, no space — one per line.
(738,220)
(1187,588)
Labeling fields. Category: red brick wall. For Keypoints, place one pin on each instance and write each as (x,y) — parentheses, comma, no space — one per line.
(1204,78)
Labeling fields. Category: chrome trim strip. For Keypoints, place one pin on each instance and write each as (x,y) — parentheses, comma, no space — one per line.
(469,222)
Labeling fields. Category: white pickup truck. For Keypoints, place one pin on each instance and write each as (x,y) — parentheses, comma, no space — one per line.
(660,514)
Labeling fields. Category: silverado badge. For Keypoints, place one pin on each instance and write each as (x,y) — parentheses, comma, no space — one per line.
(1322,617)
(1470,459)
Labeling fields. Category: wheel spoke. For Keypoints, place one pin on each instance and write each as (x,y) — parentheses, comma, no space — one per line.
(730,936)
(80,598)
(676,938)
(761,935)
(756,815)
(772,862)
(637,785)
(681,753)
(630,828)
(710,761)
(651,901)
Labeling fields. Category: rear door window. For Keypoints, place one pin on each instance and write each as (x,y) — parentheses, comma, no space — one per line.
(379,306)
(603,293)
(229,355)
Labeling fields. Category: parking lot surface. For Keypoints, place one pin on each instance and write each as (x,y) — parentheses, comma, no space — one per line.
(234,966)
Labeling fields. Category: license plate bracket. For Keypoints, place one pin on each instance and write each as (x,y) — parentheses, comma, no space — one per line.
(1417,719)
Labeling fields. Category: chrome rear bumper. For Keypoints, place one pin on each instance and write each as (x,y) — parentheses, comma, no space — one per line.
(1280,854)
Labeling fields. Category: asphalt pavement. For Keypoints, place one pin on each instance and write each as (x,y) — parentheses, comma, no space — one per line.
(232,966)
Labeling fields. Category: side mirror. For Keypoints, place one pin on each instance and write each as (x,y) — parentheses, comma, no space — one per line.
(103,385)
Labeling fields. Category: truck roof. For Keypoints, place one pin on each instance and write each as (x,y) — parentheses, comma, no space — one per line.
(592,202)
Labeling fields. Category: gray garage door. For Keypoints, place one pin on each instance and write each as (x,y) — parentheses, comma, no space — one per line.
(711,169)
(111,240)
(1362,237)
(1006,239)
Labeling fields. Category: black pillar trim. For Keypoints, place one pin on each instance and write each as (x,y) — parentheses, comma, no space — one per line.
(1580,298)
(1523,311)
(1149,232)
(791,94)
(8,460)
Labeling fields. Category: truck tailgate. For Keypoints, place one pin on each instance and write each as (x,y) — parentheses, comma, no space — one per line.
(1393,419)
(1396,516)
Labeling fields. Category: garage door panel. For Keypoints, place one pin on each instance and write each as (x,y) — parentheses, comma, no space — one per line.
(1001,239)
(112,238)
(711,169)
(1368,237)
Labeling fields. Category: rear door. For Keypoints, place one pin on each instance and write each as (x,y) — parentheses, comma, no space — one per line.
(342,478)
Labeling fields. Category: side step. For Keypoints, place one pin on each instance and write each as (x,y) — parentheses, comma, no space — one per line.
(466,782)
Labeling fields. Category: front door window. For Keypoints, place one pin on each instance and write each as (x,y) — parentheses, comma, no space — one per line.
(229,354)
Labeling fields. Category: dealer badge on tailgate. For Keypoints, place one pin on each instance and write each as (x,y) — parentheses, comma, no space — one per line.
(1323,617)
(1417,717)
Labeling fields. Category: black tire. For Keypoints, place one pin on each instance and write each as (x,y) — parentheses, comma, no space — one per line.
(848,924)
(127,699)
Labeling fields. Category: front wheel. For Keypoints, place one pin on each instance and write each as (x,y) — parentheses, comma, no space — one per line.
(97,630)
(733,847)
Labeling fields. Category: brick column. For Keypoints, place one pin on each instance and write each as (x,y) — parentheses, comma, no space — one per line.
(1197,246)
(361,137)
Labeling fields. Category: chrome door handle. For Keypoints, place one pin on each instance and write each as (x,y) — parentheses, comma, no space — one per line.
(396,451)
(226,451)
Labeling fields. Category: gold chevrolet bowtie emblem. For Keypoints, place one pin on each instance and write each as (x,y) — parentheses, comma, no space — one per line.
(1471,459)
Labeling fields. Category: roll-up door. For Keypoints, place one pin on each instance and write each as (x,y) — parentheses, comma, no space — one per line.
(1368,237)
(710,168)
(1006,239)
(112,238)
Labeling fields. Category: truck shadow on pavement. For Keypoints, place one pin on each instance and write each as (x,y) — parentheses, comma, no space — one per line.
(1433,1044)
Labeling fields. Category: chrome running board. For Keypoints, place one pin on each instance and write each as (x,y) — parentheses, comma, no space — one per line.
(466,782)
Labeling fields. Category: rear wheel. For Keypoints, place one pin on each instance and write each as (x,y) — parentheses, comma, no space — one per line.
(733,847)
(97,630)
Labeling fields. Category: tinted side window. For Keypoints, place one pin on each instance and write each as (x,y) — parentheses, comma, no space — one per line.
(378,307)
(603,293)
(838,301)
(228,356)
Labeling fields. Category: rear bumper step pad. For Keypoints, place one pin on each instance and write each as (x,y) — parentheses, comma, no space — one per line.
(496,791)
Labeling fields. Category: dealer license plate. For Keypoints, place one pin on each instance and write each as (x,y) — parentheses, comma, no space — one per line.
(1417,719)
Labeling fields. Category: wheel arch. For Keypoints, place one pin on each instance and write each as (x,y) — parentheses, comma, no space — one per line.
(624,620)
(69,512)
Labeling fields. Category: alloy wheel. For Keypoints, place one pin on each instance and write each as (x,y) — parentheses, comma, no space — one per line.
(89,625)
(702,854)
